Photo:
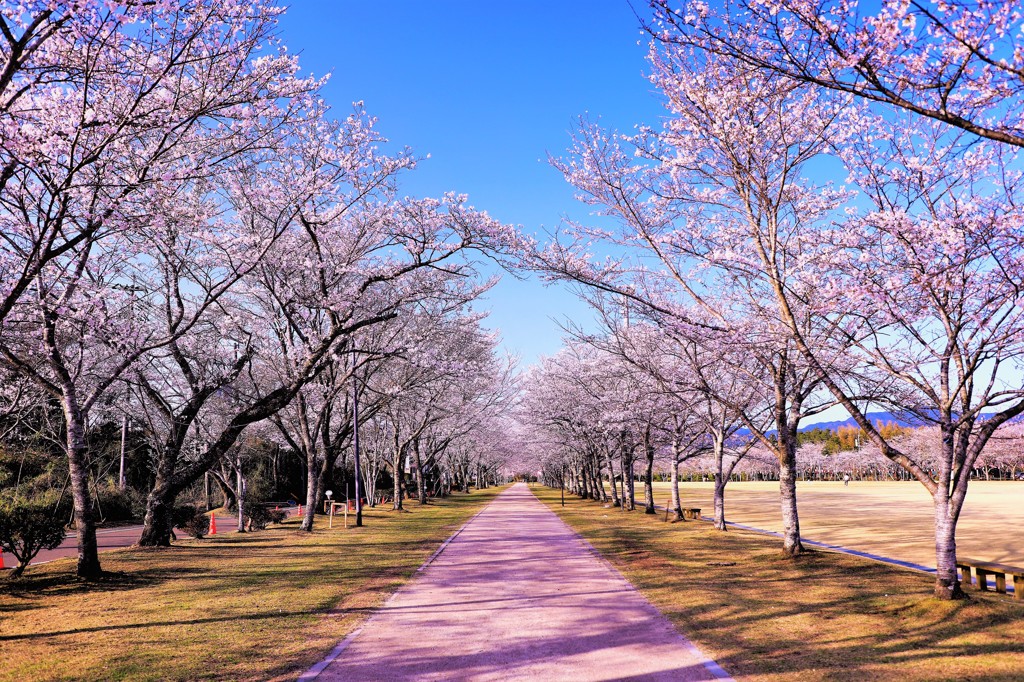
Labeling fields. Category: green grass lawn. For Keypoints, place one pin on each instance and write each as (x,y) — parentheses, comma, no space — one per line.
(262,605)
(822,616)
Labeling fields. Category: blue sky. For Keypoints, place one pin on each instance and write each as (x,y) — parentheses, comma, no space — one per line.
(488,90)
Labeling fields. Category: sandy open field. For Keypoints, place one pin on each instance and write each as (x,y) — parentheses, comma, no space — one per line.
(889,519)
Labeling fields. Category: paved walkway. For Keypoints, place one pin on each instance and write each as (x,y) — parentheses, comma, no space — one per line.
(517,595)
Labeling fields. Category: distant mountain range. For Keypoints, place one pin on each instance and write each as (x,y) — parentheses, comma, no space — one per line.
(885,417)
(905,420)
(875,417)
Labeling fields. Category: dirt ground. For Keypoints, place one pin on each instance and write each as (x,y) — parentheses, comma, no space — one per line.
(890,519)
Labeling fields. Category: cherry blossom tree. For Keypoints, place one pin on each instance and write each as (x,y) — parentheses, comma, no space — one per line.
(111,117)
(958,62)
(920,289)
(931,304)
(349,255)
(102,106)
(439,393)
(717,202)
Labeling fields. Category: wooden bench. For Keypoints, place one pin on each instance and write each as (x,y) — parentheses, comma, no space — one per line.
(692,513)
(983,569)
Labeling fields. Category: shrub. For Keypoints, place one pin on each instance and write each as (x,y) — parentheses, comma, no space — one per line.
(119,505)
(28,526)
(192,520)
(260,516)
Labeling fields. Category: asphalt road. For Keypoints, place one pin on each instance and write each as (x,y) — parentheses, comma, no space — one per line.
(110,538)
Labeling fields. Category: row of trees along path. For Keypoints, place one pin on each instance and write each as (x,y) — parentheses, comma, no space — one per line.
(191,238)
(750,282)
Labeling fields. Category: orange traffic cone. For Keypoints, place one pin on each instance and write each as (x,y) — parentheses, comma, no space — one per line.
(300,510)
(213,525)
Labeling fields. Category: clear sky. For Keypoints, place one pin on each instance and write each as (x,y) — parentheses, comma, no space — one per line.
(488,89)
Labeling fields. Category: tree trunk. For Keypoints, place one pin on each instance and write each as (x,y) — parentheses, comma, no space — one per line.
(611,479)
(240,487)
(947,583)
(649,479)
(85,522)
(791,545)
(677,507)
(399,474)
(313,491)
(720,501)
(228,499)
(421,480)
(720,480)
(275,468)
(629,491)
(158,523)
(598,480)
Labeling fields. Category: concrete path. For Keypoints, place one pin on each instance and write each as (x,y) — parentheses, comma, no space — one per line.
(517,595)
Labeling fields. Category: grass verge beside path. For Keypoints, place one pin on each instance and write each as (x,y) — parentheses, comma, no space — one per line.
(263,605)
(822,616)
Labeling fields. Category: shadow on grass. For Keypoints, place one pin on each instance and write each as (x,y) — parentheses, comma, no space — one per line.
(157,624)
(60,584)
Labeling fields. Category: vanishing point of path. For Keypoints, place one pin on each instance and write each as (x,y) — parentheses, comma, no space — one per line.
(517,595)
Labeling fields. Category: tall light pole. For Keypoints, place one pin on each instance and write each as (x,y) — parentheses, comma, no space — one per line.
(121,483)
(355,444)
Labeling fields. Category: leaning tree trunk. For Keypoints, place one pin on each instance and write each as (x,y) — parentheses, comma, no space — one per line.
(791,545)
(158,528)
(227,493)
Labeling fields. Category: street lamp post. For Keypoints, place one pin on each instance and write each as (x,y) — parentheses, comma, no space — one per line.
(355,446)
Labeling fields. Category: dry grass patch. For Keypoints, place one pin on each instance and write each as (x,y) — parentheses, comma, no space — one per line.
(260,605)
(822,616)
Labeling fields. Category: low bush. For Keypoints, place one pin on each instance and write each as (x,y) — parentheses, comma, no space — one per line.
(30,525)
(114,504)
(192,520)
(260,516)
